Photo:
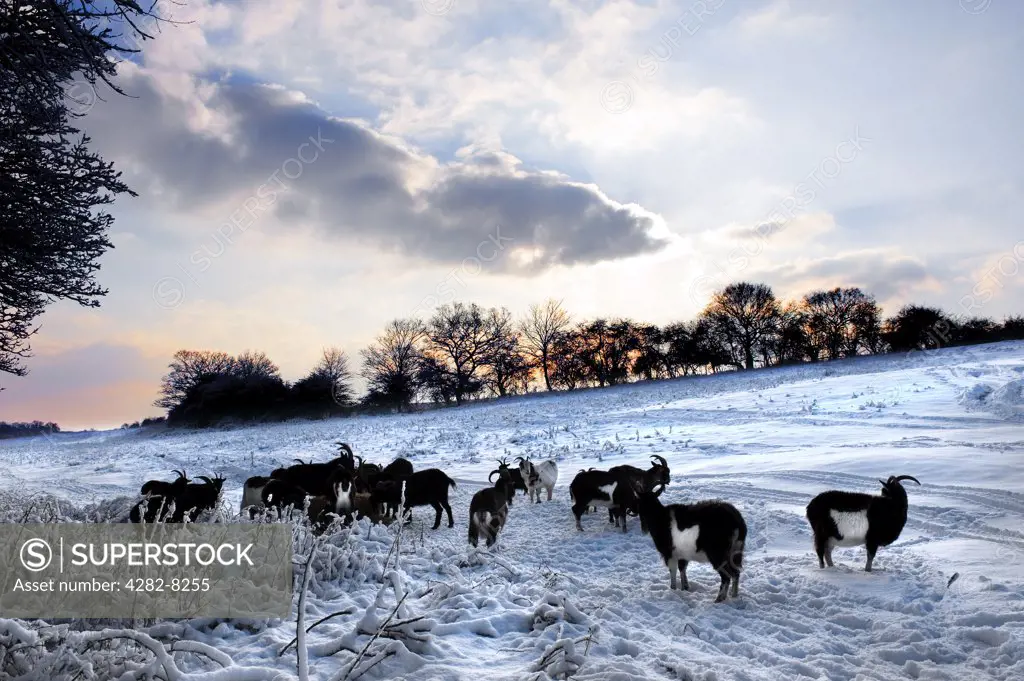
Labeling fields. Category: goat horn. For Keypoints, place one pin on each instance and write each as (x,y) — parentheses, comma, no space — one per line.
(490,478)
(205,479)
(907,477)
(661,460)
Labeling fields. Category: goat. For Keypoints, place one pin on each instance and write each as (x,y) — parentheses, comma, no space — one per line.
(159,498)
(707,532)
(197,497)
(366,474)
(280,494)
(488,511)
(345,455)
(164,488)
(422,488)
(643,480)
(398,470)
(157,506)
(852,519)
(537,476)
(342,489)
(602,488)
(321,509)
(514,476)
(313,478)
(252,493)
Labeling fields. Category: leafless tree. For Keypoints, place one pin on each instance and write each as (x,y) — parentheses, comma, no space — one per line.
(188,369)
(459,336)
(541,329)
(838,318)
(392,362)
(506,369)
(746,315)
(333,372)
(255,364)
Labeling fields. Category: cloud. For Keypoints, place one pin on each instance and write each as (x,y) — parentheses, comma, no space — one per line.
(888,275)
(269,149)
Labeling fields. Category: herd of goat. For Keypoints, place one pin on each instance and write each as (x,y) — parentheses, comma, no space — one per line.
(710,532)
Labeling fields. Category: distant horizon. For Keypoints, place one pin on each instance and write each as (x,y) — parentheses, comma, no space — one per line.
(626,157)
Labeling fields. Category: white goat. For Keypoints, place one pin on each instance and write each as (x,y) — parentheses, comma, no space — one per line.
(537,476)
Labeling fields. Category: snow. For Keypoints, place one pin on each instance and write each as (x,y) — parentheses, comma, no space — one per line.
(945,601)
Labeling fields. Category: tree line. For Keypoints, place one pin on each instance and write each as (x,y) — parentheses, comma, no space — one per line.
(465,352)
(24,429)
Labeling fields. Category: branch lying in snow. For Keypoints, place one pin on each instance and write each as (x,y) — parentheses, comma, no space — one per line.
(166,661)
(346,611)
(380,629)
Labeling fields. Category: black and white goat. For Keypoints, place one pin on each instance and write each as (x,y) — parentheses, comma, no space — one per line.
(252,493)
(513,475)
(854,519)
(602,488)
(707,532)
(422,488)
(488,510)
(537,476)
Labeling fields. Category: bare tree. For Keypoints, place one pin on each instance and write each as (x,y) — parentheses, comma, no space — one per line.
(838,318)
(255,364)
(541,329)
(332,371)
(189,369)
(459,336)
(746,316)
(391,364)
(506,369)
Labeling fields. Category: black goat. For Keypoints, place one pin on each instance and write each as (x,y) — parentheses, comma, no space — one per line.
(398,470)
(852,519)
(422,488)
(313,478)
(197,497)
(488,511)
(602,488)
(281,494)
(513,475)
(366,474)
(158,507)
(643,480)
(707,532)
(164,488)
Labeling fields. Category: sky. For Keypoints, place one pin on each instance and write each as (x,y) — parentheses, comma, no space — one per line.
(308,170)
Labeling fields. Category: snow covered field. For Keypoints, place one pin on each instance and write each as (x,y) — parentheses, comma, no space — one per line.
(598,604)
